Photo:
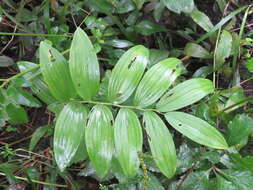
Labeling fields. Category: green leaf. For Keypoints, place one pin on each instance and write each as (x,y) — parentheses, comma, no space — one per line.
(241,179)
(69,132)
(6,61)
(22,97)
(83,63)
(239,129)
(201,19)
(235,97)
(16,114)
(223,48)
(55,71)
(223,184)
(99,138)
(179,6)
(147,28)
(184,94)
(39,87)
(196,181)
(128,141)
(161,144)
(117,43)
(196,129)
(152,184)
(156,81)
(139,3)
(127,73)
(249,64)
(81,153)
(156,56)
(195,50)
(203,72)
(37,135)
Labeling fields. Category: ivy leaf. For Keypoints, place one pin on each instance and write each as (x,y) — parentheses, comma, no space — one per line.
(147,28)
(195,50)
(22,97)
(239,129)
(223,48)
(179,6)
(201,19)
(196,129)
(161,144)
(127,73)
(184,94)
(156,81)
(55,71)
(37,135)
(99,138)
(83,64)
(69,132)
(128,141)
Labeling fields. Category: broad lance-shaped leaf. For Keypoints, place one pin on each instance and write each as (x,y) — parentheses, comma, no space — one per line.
(83,64)
(196,129)
(156,81)
(127,74)
(22,97)
(179,6)
(223,48)
(185,94)
(55,71)
(161,144)
(195,50)
(69,132)
(99,138)
(201,19)
(128,141)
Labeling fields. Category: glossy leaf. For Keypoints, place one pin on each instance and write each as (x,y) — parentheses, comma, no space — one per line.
(196,129)
(37,135)
(55,71)
(128,141)
(156,81)
(201,19)
(195,50)
(147,28)
(223,48)
(83,64)
(69,132)
(22,97)
(99,138)
(119,43)
(223,184)
(239,129)
(127,74)
(16,114)
(184,94)
(179,6)
(161,144)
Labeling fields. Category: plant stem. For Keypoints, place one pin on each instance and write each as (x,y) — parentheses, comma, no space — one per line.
(34,34)
(236,104)
(6,81)
(39,182)
(117,105)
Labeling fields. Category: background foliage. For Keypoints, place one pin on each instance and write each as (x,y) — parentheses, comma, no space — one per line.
(202,48)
